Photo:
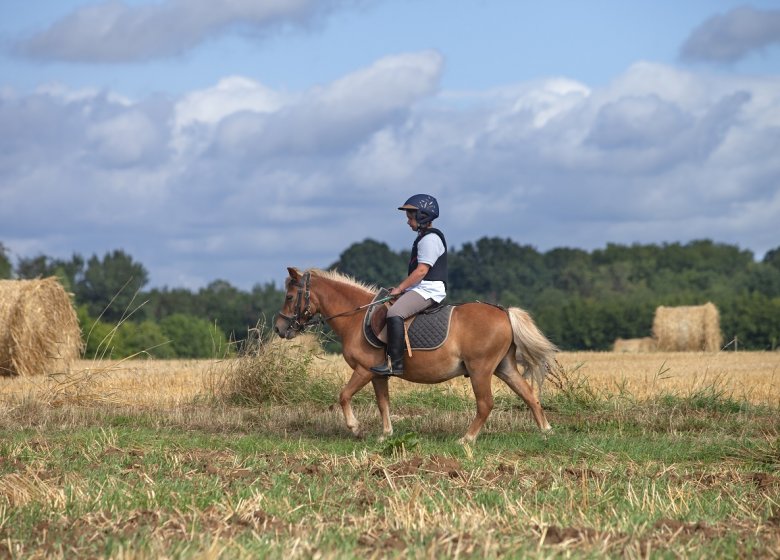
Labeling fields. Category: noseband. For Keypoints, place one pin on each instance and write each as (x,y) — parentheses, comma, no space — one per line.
(302,310)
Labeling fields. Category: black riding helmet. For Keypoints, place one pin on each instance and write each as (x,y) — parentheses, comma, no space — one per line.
(425,206)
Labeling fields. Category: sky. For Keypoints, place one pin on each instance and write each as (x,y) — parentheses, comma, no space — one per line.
(230,139)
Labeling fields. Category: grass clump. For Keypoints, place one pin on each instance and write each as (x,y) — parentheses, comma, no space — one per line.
(269,370)
(573,390)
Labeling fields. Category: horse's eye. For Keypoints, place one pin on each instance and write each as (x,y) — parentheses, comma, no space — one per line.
(288,298)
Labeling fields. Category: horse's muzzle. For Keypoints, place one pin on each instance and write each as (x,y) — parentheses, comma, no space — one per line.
(283,328)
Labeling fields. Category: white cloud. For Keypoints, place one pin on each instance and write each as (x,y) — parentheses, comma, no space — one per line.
(113,31)
(336,116)
(239,181)
(231,95)
(125,139)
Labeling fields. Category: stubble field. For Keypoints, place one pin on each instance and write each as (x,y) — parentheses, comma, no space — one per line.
(653,455)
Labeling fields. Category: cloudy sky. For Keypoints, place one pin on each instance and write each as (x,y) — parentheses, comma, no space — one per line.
(228,139)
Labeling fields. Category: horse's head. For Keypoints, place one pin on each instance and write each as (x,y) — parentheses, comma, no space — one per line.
(297,308)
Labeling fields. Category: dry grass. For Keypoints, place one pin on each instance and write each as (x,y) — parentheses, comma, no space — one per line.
(40,331)
(141,383)
(752,376)
(272,370)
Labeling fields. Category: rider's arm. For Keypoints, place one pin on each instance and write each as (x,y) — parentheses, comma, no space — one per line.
(412,280)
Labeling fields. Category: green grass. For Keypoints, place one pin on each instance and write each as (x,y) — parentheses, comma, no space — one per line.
(691,476)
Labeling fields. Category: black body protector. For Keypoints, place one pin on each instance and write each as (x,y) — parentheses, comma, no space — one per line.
(439,269)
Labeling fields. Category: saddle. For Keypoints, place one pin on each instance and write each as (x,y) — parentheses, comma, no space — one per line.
(426,330)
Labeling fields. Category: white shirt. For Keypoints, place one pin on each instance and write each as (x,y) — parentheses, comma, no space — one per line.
(429,249)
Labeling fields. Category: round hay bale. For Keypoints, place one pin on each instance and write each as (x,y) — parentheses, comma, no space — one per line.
(39,330)
(688,328)
(634,345)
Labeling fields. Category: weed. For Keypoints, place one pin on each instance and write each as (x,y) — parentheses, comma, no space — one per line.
(399,444)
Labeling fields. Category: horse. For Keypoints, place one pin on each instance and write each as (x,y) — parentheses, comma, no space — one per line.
(484,340)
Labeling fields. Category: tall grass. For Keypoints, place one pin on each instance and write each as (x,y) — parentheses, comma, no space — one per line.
(272,370)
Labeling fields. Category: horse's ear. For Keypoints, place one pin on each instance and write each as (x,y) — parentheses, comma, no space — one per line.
(295,274)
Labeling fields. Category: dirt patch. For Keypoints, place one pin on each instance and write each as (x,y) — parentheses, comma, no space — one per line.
(764,480)
(392,540)
(11,464)
(311,469)
(583,473)
(444,465)
(567,535)
(112,451)
(502,474)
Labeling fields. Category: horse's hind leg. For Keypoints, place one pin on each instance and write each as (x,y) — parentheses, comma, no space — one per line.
(359,379)
(382,392)
(508,373)
(480,383)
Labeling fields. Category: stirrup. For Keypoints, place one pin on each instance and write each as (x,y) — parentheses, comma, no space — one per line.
(386,369)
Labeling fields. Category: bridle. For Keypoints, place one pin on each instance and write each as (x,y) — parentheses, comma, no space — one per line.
(303,316)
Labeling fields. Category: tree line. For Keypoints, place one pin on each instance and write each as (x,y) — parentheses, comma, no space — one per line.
(582,300)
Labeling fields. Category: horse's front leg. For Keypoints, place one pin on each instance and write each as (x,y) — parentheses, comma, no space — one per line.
(360,378)
(382,392)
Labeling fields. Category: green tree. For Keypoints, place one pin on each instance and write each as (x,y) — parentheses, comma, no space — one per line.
(754,319)
(69,272)
(163,302)
(494,269)
(373,262)
(230,307)
(144,339)
(98,336)
(5,263)
(192,337)
(772,258)
(266,300)
(110,285)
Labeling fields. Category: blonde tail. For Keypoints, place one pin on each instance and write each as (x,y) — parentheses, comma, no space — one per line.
(533,351)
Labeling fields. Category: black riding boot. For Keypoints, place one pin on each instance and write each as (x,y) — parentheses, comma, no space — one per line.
(395,348)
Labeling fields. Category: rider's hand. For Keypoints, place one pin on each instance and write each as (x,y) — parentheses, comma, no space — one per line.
(395,291)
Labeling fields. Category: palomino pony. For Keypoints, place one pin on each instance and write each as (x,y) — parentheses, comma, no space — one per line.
(484,340)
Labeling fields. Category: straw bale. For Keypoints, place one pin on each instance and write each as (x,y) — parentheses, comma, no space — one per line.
(635,345)
(688,328)
(39,330)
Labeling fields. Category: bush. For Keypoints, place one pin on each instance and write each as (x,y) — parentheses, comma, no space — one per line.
(97,335)
(142,339)
(192,337)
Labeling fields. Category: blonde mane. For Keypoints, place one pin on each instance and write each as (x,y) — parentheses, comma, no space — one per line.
(342,278)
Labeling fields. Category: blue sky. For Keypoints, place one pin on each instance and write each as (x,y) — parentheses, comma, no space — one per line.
(230,139)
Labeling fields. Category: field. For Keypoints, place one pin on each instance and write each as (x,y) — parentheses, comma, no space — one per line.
(653,455)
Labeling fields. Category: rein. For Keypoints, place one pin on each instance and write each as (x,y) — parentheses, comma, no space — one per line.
(304,317)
